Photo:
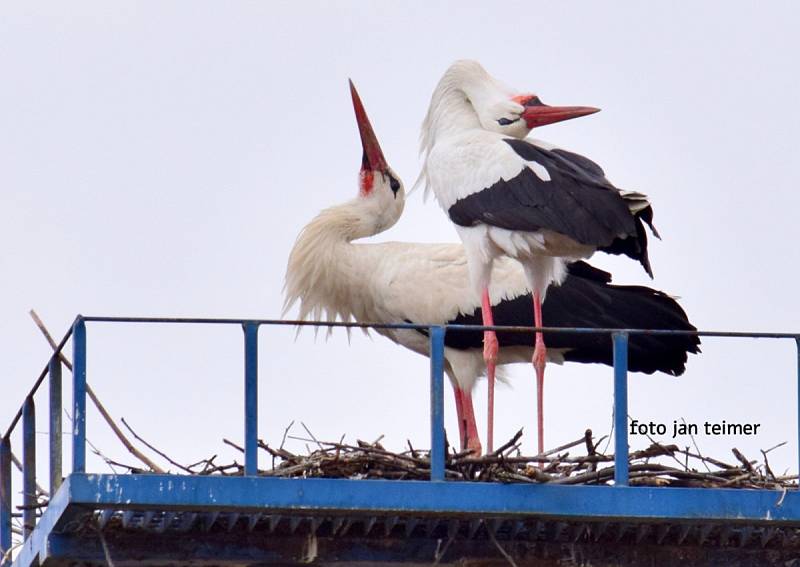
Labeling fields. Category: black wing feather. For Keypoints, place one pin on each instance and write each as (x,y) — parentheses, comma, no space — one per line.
(578,202)
(587,299)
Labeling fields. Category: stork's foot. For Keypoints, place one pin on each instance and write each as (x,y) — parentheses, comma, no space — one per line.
(490,347)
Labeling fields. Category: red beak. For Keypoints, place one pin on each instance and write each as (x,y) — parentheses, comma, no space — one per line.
(373,156)
(540,114)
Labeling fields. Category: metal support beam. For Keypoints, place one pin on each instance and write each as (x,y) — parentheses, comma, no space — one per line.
(422,498)
(250,398)
(28,466)
(79,396)
(437,403)
(620,409)
(54,372)
(5,500)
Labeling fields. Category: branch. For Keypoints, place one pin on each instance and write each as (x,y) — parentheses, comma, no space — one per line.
(149,446)
(117,431)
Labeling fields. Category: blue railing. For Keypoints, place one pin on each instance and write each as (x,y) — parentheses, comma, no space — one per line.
(436,334)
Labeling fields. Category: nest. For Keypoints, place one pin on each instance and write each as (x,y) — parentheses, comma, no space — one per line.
(657,465)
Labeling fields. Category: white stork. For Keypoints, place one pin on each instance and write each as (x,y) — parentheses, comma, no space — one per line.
(520,198)
(333,277)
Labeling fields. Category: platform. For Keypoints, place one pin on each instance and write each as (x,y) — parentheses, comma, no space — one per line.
(155,519)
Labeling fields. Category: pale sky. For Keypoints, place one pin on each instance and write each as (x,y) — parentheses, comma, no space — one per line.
(160,158)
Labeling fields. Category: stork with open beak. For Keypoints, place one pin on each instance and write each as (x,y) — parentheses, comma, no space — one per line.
(334,277)
(524,199)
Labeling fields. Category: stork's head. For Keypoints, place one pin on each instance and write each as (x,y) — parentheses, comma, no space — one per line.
(500,108)
(380,189)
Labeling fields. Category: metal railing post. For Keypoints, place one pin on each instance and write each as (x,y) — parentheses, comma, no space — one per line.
(79,396)
(797,344)
(620,409)
(5,501)
(54,375)
(250,398)
(28,466)
(437,403)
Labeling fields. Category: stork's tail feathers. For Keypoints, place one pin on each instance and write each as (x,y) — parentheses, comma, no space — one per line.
(586,298)
(636,247)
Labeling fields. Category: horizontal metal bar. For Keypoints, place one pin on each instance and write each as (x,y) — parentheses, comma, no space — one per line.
(262,494)
(425,326)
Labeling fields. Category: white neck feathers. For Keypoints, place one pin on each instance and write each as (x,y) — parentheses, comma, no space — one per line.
(321,272)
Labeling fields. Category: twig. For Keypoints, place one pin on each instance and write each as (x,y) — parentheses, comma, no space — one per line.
(120,435)
(149,446)
(117,431)
(234,445)
(670,453)
(285,433)
(510,443)
(781,444)
(742,459)
(49,338)
(311,434)
(696,448)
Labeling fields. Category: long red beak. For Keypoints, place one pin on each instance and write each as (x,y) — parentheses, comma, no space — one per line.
(541,114)
(373,156)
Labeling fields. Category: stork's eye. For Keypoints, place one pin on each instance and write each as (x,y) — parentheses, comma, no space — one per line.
(506,121)
(394,184)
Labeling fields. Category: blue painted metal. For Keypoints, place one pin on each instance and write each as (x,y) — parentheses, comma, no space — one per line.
(5,499)
(251,398)
(54,372)
(35,549)
(79,396)
(231,496)
(28,466)
(37,383)
(391,497)
(620,409)
(437,402)
(425,326)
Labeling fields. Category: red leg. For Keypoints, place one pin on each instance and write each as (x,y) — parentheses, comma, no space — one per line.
(470,427)
(490,348)
(539,358)
(462,434)
(467,429)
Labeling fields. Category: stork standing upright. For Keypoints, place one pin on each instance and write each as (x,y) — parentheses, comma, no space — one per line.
(520,198)
(333,277)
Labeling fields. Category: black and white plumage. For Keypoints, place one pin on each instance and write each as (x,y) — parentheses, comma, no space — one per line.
(586,298)
(525,199)
(564,193)
(333,277)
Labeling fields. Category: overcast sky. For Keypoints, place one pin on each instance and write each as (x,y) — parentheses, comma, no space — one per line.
(160,158)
